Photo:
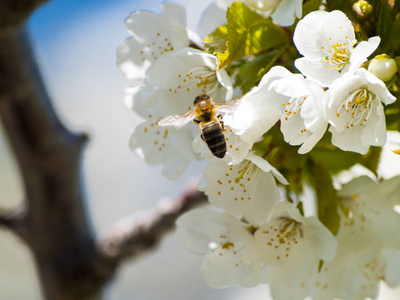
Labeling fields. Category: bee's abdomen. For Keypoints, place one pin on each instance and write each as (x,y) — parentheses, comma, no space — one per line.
(215,139)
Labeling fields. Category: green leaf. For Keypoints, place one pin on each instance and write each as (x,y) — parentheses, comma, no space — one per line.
(393,118)
(327,199)
(334,159)
(371,159)
(384,22)
(215,43)
(310,6)
(249,33)
(395,34)
(252,70)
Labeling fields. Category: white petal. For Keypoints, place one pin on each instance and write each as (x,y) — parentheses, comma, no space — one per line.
(317,71)
(213,17)
(324,241)
(199,227)
(337,26)
(223,268)
(306,35)
(362,51)
(259,109)
(154,144)
(266,166)
(242,189)
(176,15)
(392,276)
(285,13)
(153,35)
(245,244)
(349,141)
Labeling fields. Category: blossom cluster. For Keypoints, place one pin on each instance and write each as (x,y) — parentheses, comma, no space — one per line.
(261,227)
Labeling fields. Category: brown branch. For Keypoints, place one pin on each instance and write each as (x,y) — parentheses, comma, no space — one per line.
(55,224)
(13,13)
(137,234)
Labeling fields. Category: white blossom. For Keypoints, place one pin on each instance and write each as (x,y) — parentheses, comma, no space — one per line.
(297,102)
(368,218)
(293,245)
(259,109)
(169,147)
(248,189)
(303,110)
(355,111)
(231,257)
(173,84)
(153,35)
(183,75)
(327,40)
(368,244)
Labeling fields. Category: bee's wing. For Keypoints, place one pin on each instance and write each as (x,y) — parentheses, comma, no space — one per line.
(228,106)
(177,120)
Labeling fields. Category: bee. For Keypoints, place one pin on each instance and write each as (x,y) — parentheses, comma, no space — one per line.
(205,115)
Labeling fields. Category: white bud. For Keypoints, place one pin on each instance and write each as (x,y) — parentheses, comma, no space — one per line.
(383,67)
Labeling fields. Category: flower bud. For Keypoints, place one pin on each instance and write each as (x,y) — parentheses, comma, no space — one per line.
(362,8)
(383,67)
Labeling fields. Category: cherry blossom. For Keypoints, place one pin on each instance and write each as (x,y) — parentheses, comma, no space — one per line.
(152,36)
(328,44)
(247,189)
(355,111)
(293,245)
(191,73)
(231,257)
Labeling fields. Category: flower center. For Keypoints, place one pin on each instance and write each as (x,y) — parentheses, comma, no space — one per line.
(358,105)
(338,56)
(289,229)
(358,214)
(293,106)
(243,170)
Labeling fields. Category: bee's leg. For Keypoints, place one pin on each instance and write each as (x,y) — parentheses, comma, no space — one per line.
(221,122)
(198,122)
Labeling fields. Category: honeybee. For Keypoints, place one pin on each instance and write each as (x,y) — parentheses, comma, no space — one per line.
(205,115)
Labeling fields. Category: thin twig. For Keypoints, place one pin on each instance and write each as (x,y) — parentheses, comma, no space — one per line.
(138,233)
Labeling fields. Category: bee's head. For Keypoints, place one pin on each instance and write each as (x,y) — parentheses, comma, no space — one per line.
(201,98)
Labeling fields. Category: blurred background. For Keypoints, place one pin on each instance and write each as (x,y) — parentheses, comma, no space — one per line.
(75,43)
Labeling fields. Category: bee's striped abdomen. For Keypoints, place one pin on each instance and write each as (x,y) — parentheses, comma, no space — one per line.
(214,138)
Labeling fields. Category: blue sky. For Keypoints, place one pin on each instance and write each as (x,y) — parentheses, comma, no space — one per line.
(52,18)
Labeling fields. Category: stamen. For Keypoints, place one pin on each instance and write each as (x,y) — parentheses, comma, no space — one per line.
(293,106)
(359,105)
(339,57)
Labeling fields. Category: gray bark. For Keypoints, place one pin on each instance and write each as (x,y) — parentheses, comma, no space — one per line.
(71,263)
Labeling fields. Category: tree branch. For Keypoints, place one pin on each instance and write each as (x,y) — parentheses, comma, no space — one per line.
(137,234)
(55,224)
(13,13)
